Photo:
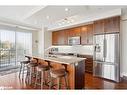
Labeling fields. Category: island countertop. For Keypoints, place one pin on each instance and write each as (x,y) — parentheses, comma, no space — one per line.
(60,59)
(75,67)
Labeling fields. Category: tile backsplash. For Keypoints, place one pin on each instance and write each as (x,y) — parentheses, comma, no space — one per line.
(86,49)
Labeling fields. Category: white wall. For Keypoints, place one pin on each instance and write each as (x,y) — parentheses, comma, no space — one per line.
(45,40)
(41,41)
(124,44)
(34,44)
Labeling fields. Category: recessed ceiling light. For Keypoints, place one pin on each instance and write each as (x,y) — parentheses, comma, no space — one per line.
(47,17)
(66,9)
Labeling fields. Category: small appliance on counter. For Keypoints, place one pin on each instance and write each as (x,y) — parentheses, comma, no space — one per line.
(53,50)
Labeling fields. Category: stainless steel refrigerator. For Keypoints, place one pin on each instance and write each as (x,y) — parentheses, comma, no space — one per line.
(106,56)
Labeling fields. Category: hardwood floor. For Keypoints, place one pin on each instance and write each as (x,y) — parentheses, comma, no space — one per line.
(98,83)
(12,81)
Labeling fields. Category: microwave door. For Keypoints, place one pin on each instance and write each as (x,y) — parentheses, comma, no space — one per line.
(99,48)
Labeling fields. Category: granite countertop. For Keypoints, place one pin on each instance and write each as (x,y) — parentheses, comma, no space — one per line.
(60,59)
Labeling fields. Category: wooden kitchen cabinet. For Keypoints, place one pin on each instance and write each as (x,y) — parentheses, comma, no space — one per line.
(112,25)
(90,34)
(99,27)
(63,37)
(84,30)
(109,25)
(87,34)
(60,37)
(55,37)
(74,32)
(88,62)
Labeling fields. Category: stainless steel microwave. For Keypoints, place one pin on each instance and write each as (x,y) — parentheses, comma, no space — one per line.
(74,40)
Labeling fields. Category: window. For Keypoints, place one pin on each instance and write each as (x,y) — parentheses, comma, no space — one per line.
(13,46)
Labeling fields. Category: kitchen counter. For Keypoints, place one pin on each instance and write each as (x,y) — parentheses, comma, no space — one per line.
(60,59)
(74,65)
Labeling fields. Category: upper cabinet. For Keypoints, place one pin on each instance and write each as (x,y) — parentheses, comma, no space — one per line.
(87,34)
(55,38)
(84,34)
(60,37)
(109,25)
(74,32)
(99,27)
(112,25)
(90,34)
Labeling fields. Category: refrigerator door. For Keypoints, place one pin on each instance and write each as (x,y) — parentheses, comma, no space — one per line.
(112,48)
(99,47)
(108,71)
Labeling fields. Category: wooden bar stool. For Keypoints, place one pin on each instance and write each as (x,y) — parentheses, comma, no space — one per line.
(23,66)
(31,70)
(40,75)
(58,74)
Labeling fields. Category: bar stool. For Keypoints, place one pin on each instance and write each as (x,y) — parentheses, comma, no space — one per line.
(31,70)
(58,74)
(40,74)
(23,66)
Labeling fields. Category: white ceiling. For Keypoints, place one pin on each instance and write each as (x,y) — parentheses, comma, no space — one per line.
(37,15)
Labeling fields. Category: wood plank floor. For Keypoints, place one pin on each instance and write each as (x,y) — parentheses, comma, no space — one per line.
(12,81)
(98,83)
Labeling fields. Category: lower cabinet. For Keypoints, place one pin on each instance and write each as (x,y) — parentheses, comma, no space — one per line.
(88,63)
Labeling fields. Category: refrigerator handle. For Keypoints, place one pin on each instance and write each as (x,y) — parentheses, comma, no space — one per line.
(104,49)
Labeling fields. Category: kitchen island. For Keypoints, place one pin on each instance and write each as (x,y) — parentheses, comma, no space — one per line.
(74,65)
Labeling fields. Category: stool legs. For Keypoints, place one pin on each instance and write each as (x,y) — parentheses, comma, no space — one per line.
(59,80)
(36,79)
(42,79)
(66,82)
(58,83)
(20,70)
(23,71)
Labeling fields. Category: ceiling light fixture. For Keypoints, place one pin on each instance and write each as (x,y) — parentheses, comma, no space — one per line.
(66,9)
(47,17)
(66,21)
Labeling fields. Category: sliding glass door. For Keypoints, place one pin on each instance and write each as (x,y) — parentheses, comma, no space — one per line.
(23,44)
(7,48)
(14,45)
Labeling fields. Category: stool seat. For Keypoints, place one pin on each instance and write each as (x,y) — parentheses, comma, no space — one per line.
(32,64)
(42,67)
(25,62)
(58,73)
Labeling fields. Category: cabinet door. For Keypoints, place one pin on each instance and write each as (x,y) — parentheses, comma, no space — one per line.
(112,25)
(90,34)
(65,37)
(74,32)
(55,38)
(84,35)
(99,27)
(62,37)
